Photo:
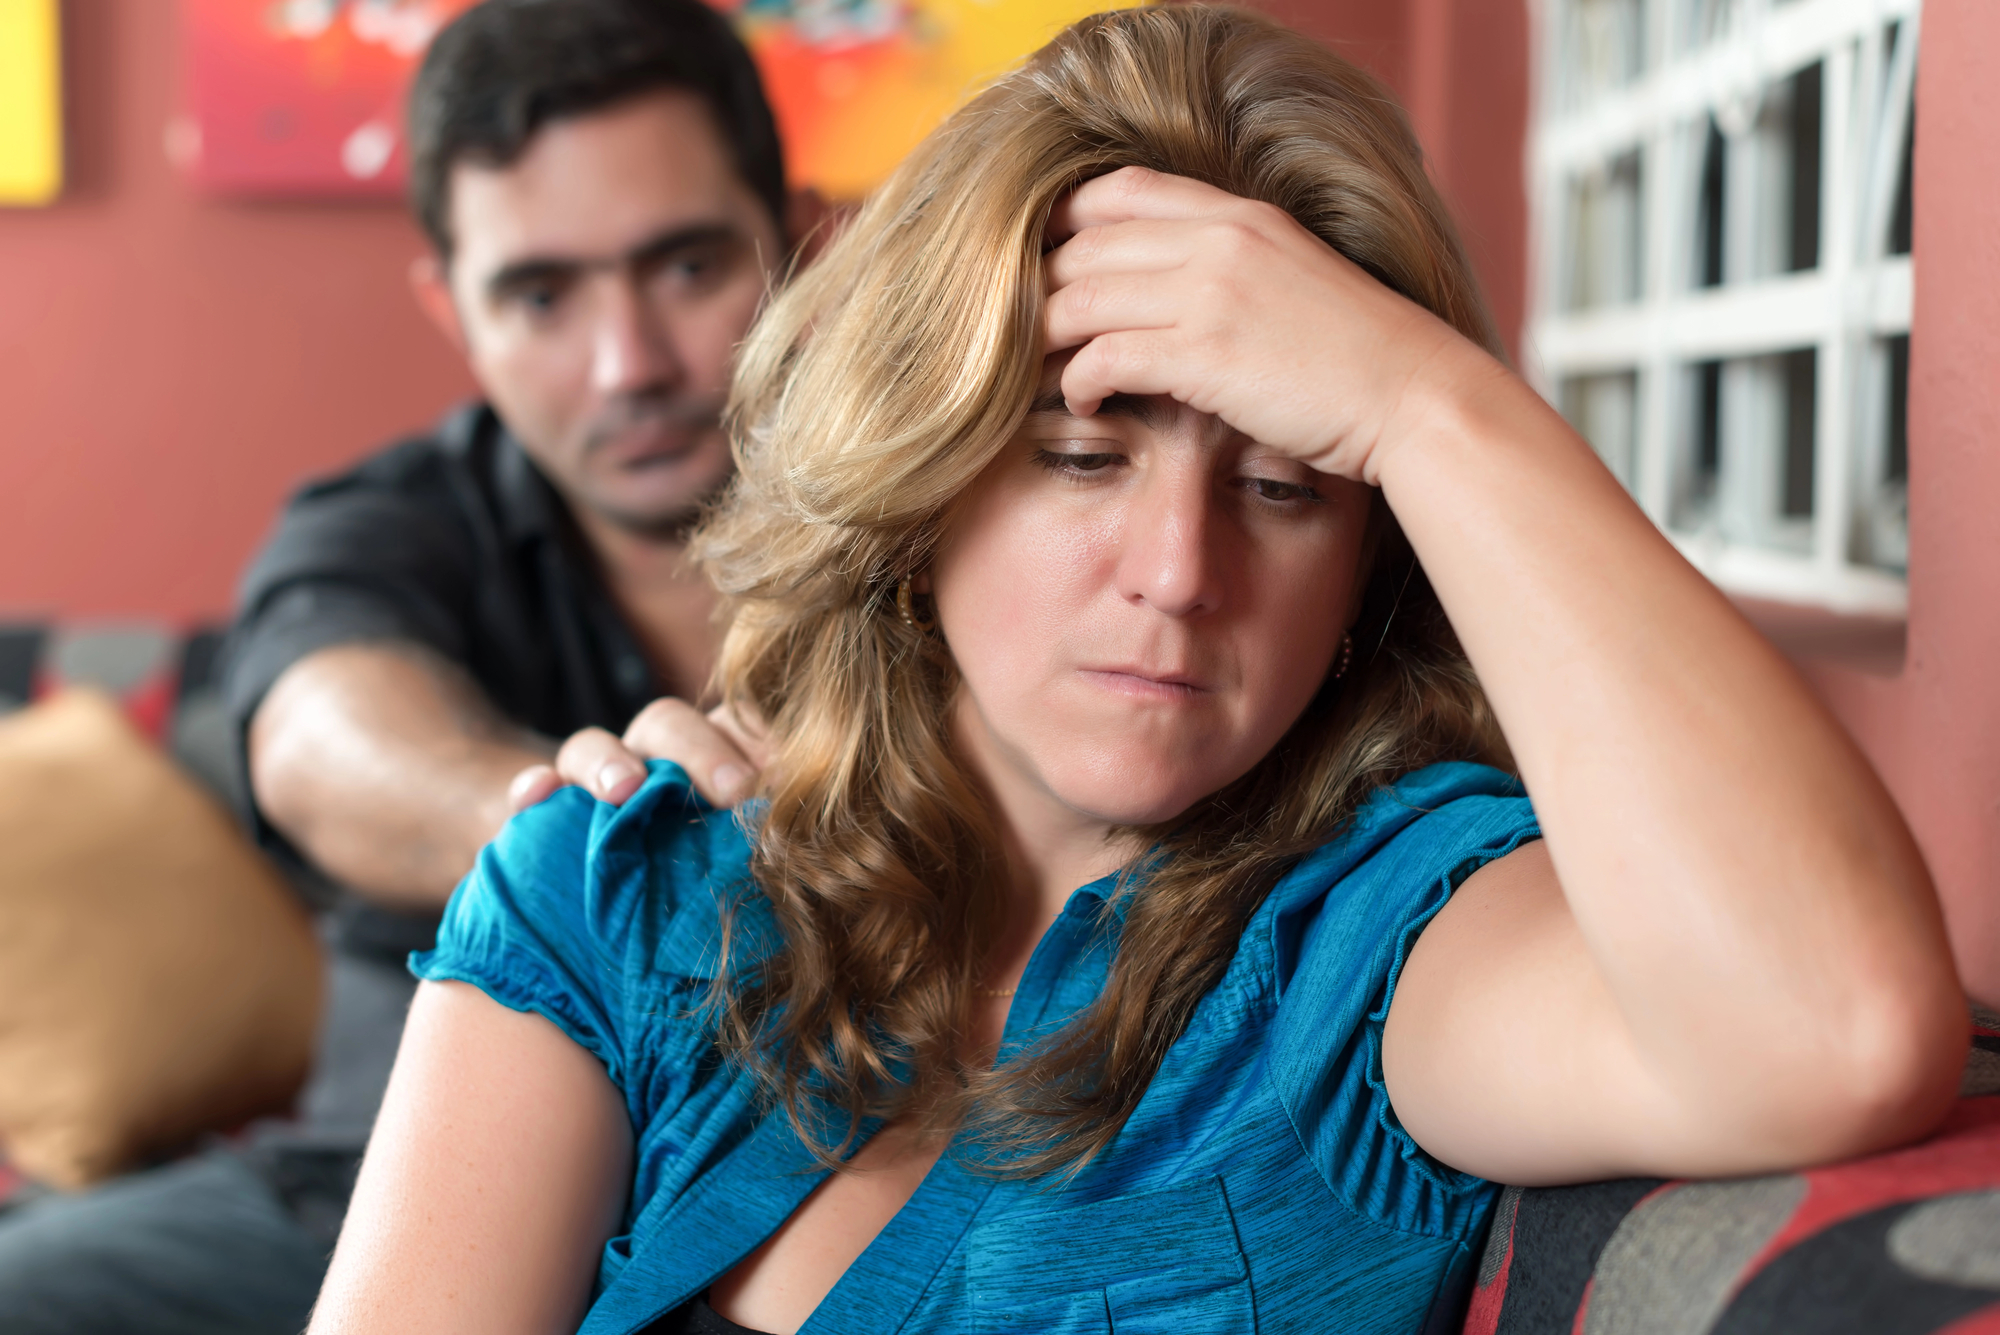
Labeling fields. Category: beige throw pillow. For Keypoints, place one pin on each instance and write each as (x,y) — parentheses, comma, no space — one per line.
(157,979)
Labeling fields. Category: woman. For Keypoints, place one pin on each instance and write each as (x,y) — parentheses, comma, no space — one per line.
(1116,496)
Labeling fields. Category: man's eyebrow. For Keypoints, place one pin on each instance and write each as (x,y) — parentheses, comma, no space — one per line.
(533,269)
(531,272)
(683,238)
(1150,412)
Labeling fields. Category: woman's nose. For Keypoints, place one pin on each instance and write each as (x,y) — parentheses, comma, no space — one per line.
(1168,560)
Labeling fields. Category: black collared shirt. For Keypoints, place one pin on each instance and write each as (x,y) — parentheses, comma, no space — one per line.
(457,543)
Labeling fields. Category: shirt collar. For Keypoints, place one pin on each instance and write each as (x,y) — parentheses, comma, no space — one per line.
(528,503)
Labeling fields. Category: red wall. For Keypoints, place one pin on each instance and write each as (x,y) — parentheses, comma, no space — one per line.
(1934,730)
(171,366)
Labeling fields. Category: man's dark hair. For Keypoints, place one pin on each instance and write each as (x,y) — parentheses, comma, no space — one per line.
(503,69)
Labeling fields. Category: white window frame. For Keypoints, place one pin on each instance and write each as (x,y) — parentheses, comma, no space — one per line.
(1856,297)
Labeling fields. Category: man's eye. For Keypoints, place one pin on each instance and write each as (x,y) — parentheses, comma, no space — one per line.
(696,267)
(537,298)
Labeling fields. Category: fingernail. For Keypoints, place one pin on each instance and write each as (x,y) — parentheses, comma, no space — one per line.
(611,776)
(729,778)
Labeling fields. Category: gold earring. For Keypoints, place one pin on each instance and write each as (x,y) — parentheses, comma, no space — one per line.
(906,608)
(1346,657)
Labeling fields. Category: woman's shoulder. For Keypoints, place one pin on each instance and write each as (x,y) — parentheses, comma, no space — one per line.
(1340,928)
(575,858)
(576,896)
(1437,817)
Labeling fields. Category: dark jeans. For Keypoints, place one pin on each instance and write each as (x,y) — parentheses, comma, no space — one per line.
(200,1247)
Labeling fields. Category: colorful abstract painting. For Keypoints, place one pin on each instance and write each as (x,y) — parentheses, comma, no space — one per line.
(301,97)
(856,83)
(31,155)
(304,97)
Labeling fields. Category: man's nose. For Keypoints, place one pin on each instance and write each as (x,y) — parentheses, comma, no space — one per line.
(631,347)
(1168,560)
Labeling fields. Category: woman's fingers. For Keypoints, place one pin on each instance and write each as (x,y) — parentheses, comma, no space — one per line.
(715,749)
(1167,286)
(1131,193)
(1148,246)
(1110,303)
(1138,361)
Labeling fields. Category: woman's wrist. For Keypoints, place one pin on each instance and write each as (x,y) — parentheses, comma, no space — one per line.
(1456,395)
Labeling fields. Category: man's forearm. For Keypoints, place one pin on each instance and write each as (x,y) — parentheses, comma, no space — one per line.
(386,766)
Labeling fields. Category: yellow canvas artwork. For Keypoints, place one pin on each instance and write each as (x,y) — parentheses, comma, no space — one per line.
(31,157)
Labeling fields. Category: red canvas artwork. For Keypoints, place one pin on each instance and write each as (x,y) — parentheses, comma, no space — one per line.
(301,97)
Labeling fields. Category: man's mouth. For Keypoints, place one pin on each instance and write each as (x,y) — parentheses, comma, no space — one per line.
(656,443)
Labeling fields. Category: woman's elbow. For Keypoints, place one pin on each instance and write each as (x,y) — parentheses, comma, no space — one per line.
(1886,1076)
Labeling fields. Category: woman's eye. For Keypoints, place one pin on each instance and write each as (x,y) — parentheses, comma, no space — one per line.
(1271,489)
(1076,465)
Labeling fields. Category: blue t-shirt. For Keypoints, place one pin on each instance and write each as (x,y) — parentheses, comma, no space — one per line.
(1262,1183)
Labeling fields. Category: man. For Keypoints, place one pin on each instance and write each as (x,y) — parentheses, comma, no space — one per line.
(602,186)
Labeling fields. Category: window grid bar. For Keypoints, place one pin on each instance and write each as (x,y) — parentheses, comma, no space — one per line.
(1855,296)
(1690,83)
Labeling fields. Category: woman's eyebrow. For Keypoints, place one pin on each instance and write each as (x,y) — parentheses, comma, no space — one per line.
(1137,407)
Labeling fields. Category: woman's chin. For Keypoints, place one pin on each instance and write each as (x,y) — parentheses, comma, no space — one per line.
(1131,804)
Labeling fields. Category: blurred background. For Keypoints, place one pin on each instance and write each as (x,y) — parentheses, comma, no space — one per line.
(208,303)
(1713,232)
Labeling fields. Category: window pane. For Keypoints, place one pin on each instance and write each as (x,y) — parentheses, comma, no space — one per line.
(1605,411)
(1747,459)
(1882,518)
(1899,217)
(1703,21)
(1803,204)
(1606,250)
(1701,461)
(1708,209)
(1604,46)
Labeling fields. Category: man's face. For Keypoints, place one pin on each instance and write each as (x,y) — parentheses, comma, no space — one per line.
(601,284)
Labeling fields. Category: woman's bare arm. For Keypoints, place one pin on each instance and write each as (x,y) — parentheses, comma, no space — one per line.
(498,1168)
(1728,956)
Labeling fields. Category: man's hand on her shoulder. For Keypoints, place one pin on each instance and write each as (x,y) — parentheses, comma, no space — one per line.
(722,751)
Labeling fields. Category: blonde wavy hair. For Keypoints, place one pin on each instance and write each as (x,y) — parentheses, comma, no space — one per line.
(869,398)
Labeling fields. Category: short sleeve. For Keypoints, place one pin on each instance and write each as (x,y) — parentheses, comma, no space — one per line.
(521,928)
(577,908)
(1408,851)
(350,561)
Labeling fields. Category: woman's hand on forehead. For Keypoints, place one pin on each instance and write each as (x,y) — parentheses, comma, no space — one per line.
(1165,285)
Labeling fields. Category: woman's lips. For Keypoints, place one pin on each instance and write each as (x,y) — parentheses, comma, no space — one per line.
(1143,684)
